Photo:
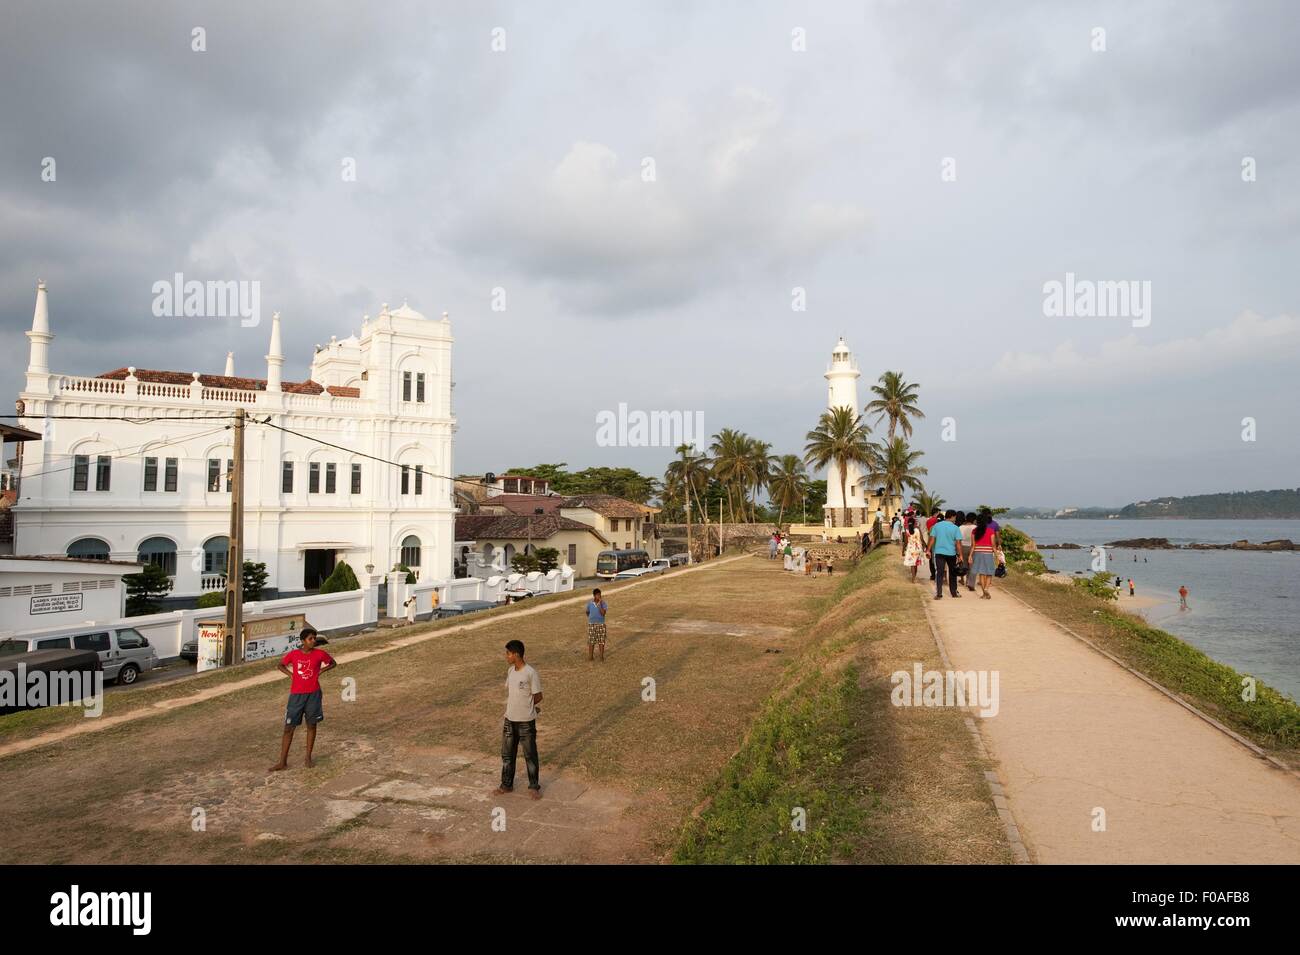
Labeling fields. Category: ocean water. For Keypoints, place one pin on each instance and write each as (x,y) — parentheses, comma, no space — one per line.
(1243,607)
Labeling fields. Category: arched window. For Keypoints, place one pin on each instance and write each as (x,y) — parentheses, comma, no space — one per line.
(160,551)
(216,553)
(88,548)
(411,551)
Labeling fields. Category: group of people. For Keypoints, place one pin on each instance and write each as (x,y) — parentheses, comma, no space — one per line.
(961,548)
(305,664)
(779,546)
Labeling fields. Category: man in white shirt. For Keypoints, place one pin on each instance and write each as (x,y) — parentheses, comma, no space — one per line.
(523,696)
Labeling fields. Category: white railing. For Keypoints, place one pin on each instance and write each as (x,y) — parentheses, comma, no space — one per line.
(99,386)
(239,396)
(155,389)
(210,582)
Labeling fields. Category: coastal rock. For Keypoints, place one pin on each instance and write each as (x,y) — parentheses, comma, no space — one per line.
(1145,543)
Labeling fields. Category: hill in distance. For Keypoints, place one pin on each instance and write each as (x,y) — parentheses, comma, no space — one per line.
(1242,505)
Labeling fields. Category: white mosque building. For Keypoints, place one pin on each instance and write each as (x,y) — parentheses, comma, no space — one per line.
(359,475)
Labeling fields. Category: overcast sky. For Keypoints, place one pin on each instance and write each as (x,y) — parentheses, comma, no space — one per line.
(774,168)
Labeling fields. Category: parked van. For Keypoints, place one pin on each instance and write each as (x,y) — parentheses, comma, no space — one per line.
(124,652)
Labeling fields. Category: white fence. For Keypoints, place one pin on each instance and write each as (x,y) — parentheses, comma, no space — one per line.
(328,613)
(473,588)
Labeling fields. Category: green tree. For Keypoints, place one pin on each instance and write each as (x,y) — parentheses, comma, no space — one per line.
(729,449)
(897,468)
(895,402)
(788,484)
(684,477)
(145,590)
(548,558)
(341,580)
(403,569)
(927,502)
(254,579)
(841,439)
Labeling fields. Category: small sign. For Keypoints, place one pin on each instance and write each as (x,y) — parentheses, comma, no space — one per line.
(211,646)
(55,603)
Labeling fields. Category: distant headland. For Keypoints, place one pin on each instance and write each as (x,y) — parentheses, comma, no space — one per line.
(1281,504)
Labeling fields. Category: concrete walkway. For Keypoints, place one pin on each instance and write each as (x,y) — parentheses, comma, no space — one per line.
(1076,733)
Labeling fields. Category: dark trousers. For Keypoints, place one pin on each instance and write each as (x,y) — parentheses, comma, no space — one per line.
(948,563)
(932,571)
(512,734)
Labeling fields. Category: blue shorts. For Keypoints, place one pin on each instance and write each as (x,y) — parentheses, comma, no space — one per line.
(304,704)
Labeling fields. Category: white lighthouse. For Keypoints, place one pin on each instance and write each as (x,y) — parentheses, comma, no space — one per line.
(842,392)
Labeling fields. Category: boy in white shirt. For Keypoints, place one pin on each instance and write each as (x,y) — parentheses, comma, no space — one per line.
(523,694)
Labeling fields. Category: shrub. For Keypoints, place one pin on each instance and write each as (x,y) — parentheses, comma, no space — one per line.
(548,558)
(1099,585)
(523,563)
(342,579)
(214,598)
(410,574)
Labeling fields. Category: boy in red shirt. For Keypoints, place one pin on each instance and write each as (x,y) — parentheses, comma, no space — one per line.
(307,665)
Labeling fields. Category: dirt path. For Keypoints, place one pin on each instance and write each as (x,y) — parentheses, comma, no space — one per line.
(405,769)
(1077,735)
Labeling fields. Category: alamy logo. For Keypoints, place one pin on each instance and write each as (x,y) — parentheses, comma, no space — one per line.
(1085,298)
(654,429)
(22,688)
(103,908)
(978,688)
(194,299)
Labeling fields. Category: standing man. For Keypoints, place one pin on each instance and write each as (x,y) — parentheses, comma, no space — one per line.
(945,539)
(307,663)
(1182,597)
(1130,587)
(523,694)
(410,609)
(596,633)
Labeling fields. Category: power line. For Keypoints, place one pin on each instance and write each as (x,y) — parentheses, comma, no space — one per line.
(363,454)
(130,451)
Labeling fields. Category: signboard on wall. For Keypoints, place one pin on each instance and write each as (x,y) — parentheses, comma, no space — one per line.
(55,603)
(263,637)
(211,638)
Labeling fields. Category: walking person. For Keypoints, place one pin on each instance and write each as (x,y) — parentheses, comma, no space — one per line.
(945,542)
(410,609)
(1130,587)
(830,566)
(933,519)
(596,632)
(912,548)
(523,696)
(1182,597)
(304,667)
(983,558)
(967,529)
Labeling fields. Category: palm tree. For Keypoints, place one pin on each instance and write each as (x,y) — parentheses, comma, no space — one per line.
(897,468)
(841,438)
(729,450)
(757,470)
(788,483)
(927,502)
(896,401)
(687,475)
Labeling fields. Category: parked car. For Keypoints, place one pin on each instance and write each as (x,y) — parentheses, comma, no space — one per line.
(663,563)
(190,650)
(463,607)
(632,573)
(124,652)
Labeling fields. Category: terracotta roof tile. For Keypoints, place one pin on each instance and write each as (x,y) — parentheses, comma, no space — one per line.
(605,504)
(227,381)
(516,527)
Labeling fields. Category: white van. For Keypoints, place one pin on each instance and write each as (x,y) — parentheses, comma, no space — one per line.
(124,652)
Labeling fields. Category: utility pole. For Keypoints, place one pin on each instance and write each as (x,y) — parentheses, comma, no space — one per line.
(235,556)
(689,556)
